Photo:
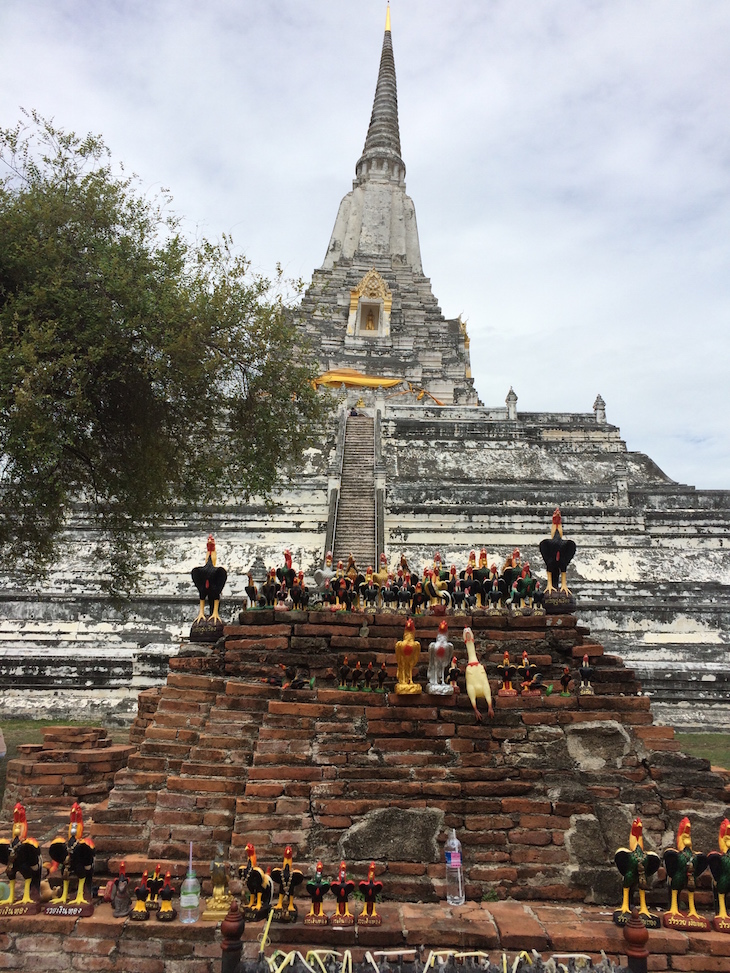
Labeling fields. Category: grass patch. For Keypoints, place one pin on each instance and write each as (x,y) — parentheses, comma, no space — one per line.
(16,732)
(714,747)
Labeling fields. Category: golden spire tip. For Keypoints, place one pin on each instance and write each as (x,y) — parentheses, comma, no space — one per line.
(387,19)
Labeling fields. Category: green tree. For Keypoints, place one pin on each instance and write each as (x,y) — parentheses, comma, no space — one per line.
(139,371)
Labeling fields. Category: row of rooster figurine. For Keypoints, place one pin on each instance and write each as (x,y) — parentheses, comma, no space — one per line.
(441,682)
(683,867)
(284,882)
(344,587)
(72,856)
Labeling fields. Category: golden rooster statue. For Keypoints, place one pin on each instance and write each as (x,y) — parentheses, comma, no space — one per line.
(407,653)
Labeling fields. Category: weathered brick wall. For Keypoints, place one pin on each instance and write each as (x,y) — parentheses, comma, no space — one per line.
(542,796)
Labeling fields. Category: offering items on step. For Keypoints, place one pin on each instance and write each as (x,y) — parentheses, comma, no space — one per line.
(507,673)
(586,674)
(121,895)
(165,912)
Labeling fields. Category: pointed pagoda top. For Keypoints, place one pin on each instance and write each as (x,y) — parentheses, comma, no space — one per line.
(381,157)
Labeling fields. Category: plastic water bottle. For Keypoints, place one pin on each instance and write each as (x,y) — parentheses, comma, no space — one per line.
(190,894)
(454,873)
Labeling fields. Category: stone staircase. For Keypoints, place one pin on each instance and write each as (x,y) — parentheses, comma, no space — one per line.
(355,529)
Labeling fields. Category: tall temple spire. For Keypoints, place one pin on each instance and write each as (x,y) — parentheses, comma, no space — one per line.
(381,155)
(370,310)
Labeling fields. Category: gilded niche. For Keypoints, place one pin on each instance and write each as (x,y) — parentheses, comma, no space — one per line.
(370,305)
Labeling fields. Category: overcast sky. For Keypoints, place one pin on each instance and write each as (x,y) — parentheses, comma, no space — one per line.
(569,162)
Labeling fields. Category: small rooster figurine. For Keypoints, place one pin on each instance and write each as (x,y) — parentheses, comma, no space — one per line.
(154,886)
(507,673)
(139,913)
(317,888)
(288,879)
(21,856)
(74,856)
(166,913)
(370,889)
(342,889)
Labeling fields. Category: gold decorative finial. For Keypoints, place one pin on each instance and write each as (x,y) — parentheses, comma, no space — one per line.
(387,19)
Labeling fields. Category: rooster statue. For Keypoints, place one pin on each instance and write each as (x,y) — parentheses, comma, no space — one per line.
(370,889)
(637,866)
(342,890)
(557,553)
(21,856)
(439,653)
(317,888)
(719,862)
(74,856)
(477,684)
(166,913)
(259,887)
(684,866)
(407,652)
(288,879)
(209,580)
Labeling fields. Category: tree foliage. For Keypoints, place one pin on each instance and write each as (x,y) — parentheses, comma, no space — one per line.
(139,370)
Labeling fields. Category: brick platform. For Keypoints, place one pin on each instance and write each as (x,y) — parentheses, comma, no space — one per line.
(36,943)
(541,796)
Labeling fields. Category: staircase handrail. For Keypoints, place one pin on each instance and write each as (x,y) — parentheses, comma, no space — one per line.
(340,463)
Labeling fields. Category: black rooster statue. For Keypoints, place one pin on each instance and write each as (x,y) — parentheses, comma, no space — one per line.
(74,857)
(288,879)
(557,553)
(21,856)
(209,579)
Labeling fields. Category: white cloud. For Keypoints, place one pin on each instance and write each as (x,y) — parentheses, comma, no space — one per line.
(568,161)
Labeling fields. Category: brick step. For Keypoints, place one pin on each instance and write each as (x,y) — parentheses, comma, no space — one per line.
(217,769)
